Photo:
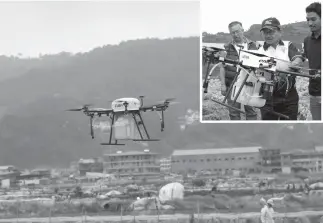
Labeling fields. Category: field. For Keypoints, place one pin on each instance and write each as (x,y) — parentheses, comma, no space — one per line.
(216,206)
(300,217)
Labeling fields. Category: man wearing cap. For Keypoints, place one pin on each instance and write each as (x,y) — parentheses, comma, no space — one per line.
(312,51)
(266,214)
(228,73)
(285,97)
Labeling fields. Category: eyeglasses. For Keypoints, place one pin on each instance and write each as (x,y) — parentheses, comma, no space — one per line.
(268,31)
(235,32)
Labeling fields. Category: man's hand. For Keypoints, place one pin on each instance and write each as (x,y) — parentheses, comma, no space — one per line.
(221,54)
(223,89)
(317,76)
(297,62)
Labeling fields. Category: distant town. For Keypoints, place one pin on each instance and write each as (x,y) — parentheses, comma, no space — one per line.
(134,166)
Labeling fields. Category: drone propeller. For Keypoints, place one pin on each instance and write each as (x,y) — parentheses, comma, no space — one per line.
(254,53)
(167,100)
(80,109)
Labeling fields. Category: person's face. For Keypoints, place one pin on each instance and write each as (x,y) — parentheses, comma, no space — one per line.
(313,21)
(271,36)
(262,203)
(236,32)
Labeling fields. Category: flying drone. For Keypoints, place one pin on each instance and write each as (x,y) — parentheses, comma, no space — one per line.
(127,107)
(255,84)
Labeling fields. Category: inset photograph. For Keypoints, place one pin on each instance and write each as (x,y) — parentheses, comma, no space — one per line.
(264,67)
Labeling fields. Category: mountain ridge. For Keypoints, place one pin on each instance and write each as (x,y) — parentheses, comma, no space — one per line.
(295,32)
(36,130)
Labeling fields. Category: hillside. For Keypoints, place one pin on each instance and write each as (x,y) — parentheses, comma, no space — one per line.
(36,126)
(35,130)
(295,32)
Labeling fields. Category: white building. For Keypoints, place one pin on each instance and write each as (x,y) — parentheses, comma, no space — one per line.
(165,165)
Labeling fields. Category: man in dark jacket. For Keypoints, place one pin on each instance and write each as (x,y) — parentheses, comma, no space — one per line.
(285,97)
(312,51)
(228,73)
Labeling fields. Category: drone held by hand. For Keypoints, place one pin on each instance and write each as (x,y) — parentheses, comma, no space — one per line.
(127,107)
(255,85)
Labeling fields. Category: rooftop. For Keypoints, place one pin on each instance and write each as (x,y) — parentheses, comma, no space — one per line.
(130,153)
(236,150)
(301,151)
(6,167)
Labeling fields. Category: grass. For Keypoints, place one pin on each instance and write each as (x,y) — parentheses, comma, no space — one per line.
(217,203)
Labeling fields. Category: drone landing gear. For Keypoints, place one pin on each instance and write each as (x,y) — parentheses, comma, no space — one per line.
(146,140)
(229,92)
(140,123)
(112,144)
(161,118)
(91,124)
(237,95)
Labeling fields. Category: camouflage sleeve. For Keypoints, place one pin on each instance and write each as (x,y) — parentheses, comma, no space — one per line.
(294,53)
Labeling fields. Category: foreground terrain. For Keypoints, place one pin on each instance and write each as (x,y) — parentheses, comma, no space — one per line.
(304,216)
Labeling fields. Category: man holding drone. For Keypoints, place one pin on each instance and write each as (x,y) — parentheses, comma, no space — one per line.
(285,97)
(312,51)
(228,73)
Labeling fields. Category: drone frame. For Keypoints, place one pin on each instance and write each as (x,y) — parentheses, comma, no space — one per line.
(137,122)
(221,60)
(136,115)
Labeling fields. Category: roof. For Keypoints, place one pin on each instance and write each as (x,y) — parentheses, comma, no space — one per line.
(319,148)
(129,153)
(36,170)
(235,150)
(302,152)
(86,161)
(6,167)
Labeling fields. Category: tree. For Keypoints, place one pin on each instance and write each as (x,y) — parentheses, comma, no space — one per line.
(198,183)
(56,190)
(78,191)
(144,180)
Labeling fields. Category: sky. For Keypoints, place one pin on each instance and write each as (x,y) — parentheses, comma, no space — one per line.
(216,15)
(40,27)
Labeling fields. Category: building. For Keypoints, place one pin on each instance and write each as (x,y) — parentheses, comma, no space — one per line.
(42,173)
(90,165)
(8,170)
(306,160)
(270,160)
(165,165)
(137,164)
(8,176)
(218,161)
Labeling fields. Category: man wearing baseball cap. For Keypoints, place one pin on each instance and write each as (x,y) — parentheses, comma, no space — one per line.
(285,97)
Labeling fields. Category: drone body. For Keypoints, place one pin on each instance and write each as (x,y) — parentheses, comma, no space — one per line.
(125,104)
(121,109)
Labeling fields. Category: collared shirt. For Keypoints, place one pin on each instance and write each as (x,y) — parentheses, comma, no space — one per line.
(244,44)
(232,53)
(293,52)
(312,51)
(286,51)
